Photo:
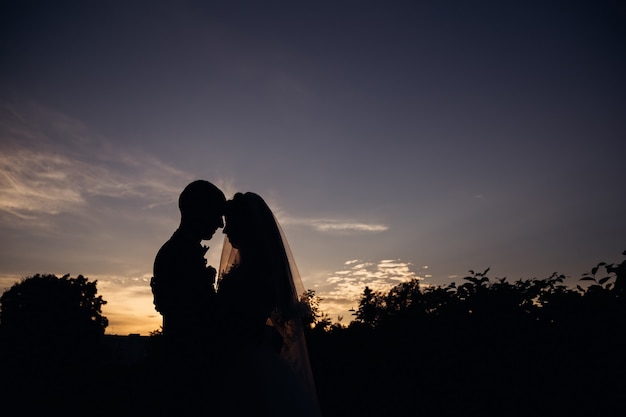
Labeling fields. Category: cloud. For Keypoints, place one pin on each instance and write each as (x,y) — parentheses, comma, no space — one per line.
(343,288)
(53,164)
(341,225)
(336,225)
(32,181)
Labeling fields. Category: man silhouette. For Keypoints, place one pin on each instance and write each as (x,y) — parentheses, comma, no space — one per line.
(184,293)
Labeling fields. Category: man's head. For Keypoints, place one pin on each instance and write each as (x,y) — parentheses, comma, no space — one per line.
(201,207)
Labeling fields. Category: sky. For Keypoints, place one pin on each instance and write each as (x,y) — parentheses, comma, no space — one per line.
(393,139)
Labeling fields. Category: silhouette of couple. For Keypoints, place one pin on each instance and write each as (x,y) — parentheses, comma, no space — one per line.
(233,343)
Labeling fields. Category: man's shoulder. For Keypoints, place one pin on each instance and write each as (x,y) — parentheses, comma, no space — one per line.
(179,252)
(170,250)
(176,243)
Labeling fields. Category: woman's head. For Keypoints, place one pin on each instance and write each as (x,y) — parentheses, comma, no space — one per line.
(255,236)
(250,224)
(238,222)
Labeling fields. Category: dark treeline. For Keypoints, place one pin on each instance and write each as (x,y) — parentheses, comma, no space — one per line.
(486,347)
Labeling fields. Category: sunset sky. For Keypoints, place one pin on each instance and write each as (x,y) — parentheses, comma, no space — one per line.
(393,139)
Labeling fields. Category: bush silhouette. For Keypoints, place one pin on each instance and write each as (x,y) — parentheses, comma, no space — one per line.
(47,318)
(51,350)
(485,347)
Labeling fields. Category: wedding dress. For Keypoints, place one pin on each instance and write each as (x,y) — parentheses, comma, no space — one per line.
(266,365)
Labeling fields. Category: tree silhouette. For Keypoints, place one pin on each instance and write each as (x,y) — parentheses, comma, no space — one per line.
(52,319)
(487,346)
(51,345)
(371,307)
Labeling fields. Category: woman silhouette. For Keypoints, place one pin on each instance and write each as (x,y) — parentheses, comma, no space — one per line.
(264,360)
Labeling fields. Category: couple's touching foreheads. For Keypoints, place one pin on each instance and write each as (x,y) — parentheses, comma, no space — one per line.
(233,340)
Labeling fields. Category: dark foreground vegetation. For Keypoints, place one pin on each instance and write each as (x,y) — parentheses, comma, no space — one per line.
(485,347)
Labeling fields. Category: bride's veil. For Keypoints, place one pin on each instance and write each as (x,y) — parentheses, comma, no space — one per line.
(287,316)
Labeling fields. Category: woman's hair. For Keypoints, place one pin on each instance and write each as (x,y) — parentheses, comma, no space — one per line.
(266,248)
(268,255)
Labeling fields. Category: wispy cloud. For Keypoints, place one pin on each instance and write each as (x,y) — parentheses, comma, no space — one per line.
(52,164)
(32,181)
(343,288)
(336,225)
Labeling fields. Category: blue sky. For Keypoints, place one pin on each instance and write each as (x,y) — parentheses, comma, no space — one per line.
(392,139)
